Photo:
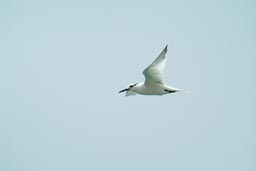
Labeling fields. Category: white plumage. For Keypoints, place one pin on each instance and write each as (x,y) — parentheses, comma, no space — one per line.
(154,79)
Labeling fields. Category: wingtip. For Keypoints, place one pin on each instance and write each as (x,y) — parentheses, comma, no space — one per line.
(166,47)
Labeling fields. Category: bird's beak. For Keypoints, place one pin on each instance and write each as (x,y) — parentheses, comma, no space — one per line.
(123,90)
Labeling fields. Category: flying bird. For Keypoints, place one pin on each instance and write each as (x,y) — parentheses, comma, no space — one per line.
(154,80)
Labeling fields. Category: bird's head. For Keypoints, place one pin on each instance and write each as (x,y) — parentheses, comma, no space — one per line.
(128,88)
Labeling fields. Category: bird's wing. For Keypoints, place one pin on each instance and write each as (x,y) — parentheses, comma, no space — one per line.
(154,72)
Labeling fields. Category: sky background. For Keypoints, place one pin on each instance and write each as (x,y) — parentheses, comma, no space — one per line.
(63,62)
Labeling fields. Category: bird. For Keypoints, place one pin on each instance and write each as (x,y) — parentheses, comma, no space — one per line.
(154,80)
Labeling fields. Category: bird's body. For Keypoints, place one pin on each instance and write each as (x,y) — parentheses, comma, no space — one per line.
(153,89)
(154,84)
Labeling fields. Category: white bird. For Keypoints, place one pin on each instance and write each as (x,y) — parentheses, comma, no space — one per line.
(154,80)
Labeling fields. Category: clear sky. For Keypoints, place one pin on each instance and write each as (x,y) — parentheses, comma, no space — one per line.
(63,62)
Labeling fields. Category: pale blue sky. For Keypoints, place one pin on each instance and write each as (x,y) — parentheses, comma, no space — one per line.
(63,62)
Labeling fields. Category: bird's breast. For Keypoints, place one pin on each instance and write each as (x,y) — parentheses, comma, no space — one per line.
(154,89)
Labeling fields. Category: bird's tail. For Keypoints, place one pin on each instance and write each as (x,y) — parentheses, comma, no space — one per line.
(183,91)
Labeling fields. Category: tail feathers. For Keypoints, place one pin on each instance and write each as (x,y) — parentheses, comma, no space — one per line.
(183,91)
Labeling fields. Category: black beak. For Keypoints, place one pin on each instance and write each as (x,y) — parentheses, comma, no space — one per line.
(123,90)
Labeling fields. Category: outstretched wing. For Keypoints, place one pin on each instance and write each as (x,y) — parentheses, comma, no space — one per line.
(154,72)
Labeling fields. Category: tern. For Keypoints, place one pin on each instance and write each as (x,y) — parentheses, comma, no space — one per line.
(154,80)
